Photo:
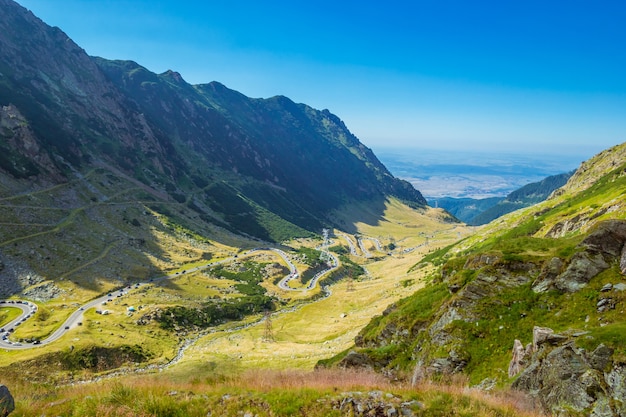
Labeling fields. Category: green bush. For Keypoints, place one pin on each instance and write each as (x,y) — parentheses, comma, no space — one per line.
(214,313)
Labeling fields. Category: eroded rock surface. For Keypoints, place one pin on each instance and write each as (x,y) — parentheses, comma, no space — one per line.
(566,379)
(7,404)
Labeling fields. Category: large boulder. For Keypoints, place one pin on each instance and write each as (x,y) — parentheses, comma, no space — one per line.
(569,380)
(549,273)
(7,404)
(608,238)
(562,378)
(356,360)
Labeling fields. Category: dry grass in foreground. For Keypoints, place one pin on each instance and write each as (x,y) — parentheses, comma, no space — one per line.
(322,393)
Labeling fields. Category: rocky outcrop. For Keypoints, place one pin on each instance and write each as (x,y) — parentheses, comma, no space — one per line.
(519,358)
(566,379)
(376,403)
(603,246)
(582,268)
(608,238)
(15,276)
(569,379)
(44,292)
(26,158)
(521,355)
(356,360)
(549,273)
(7,404)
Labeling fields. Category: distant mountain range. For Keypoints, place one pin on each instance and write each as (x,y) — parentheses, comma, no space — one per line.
(476,212)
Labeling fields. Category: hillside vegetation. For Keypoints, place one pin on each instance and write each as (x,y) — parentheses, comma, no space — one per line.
(559,264)
(275,394)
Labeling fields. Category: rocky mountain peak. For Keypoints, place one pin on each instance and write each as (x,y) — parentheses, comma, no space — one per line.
(174,76)
(275,156)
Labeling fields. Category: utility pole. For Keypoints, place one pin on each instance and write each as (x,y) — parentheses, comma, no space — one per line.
(325,256)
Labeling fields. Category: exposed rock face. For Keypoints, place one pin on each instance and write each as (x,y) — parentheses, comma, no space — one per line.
(517,362)
(567,226)
(15,277)
(7,404)
(43,293)
(604,245)
(565,378)
(582,268)
(356,360)
(462,308)
(570,379)
(20,138)
(543,335)
(550,271)
(608,238)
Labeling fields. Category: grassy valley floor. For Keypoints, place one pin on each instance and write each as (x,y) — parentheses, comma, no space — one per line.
(251,367)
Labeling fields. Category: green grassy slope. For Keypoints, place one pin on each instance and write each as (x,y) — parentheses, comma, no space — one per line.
(516,273)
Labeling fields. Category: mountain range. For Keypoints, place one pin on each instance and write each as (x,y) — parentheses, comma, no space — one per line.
(111,175)
(89,144)
(482,211)
(227,156)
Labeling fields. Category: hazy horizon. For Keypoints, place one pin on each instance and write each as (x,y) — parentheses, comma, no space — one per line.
(472,174)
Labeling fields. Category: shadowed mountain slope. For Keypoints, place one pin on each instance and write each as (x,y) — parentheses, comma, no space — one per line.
(109,143)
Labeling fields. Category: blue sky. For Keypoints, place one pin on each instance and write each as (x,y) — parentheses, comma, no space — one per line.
(528,76)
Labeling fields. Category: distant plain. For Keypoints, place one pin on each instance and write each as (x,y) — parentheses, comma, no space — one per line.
(473,174)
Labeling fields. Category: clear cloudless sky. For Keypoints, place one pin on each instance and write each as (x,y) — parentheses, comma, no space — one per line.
(530,76)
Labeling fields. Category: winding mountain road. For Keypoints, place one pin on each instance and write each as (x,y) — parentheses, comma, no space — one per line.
(27,308)
(350,243)
(76,318)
